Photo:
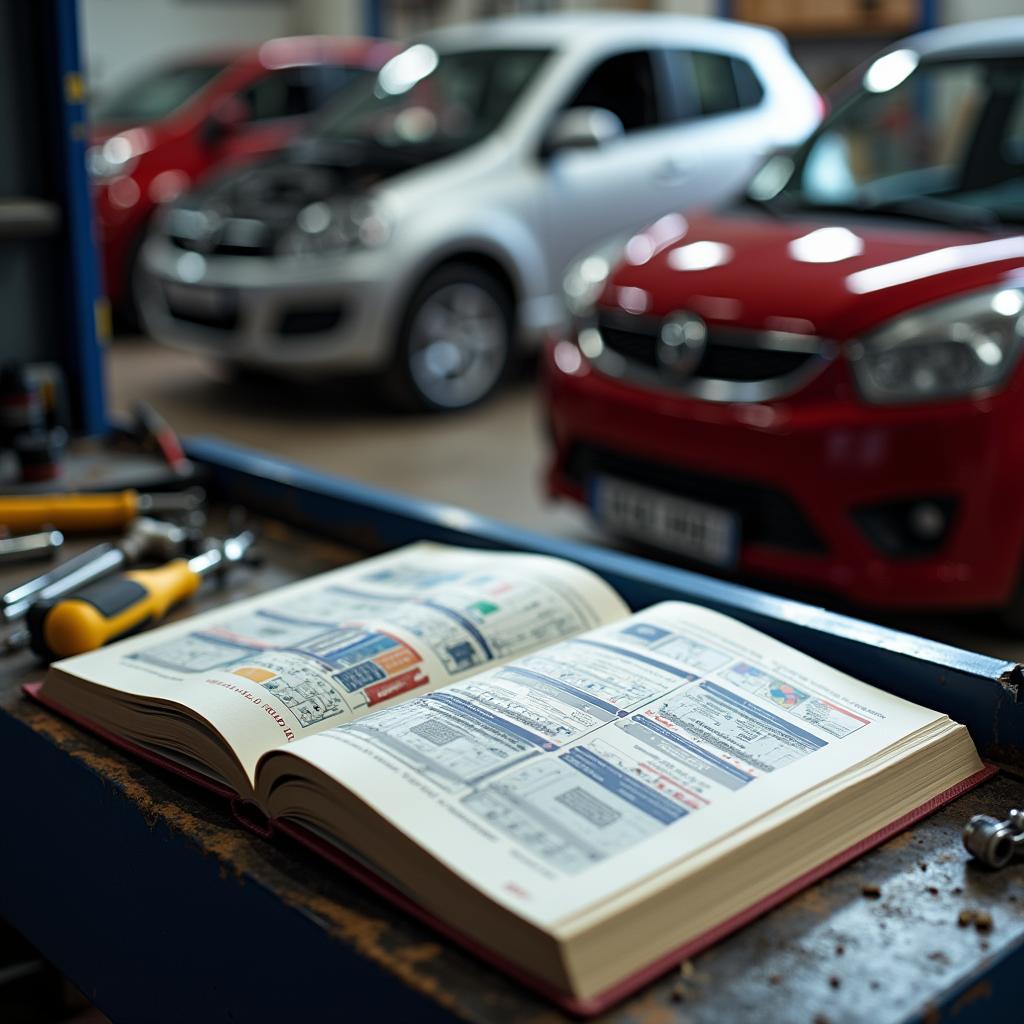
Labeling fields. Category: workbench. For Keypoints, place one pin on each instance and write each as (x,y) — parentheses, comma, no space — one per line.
(160,907)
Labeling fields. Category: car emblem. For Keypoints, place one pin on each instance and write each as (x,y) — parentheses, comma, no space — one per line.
(682,339)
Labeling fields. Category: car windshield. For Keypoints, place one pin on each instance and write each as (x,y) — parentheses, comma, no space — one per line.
(938,141)
(154,95)
(422,99)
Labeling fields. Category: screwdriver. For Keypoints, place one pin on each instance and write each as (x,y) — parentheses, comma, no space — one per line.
(118,605)
(91,512)
(146,538)
(31,545)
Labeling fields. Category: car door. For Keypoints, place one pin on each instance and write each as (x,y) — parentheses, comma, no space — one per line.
(694,135)
(590,193)
(721,134)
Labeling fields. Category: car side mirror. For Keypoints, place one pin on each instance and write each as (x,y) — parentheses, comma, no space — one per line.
(583,128)
(773,172)
(224,120)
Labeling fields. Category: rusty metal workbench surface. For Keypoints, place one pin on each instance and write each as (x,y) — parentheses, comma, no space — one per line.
(161,908)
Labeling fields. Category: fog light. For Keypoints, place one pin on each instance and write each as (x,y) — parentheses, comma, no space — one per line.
(927,520)
(907,529)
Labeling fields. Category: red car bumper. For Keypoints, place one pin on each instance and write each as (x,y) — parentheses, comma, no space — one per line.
(812,481)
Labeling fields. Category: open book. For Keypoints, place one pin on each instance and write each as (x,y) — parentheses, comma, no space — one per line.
(578,793)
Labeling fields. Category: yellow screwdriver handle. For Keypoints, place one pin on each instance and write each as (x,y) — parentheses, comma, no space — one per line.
(69,512)
(114,607)
(167,584)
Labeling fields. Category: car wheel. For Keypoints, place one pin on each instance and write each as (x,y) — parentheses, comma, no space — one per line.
(126,316)
(455,340)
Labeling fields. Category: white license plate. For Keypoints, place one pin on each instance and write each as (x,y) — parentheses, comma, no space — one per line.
(692,528)
(199,298)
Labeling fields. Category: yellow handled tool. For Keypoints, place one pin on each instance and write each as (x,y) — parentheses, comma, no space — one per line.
(118,605)
(90,513)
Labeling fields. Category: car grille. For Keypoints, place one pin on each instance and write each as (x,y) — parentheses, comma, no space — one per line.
(303,320)
(222,248)
(228,236)
(222,319)
(737,364)
(768,516)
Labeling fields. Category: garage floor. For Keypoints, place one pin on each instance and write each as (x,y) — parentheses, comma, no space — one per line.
(488,459)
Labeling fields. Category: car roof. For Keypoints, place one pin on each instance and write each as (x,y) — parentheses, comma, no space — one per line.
(991,37)
(291,50)
(592,29)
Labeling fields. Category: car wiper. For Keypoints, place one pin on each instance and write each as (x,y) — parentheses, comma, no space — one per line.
(776,207)
(935,211)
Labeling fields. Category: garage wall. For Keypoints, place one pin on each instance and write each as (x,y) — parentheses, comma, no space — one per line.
(405,19)
(330,17)
(121,37)
(971,10)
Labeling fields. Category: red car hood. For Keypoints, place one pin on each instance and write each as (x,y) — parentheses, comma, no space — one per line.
(814,275)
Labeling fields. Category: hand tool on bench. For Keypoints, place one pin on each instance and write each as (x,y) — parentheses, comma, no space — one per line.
(994,842)
(31,545)
(119,605)
(92,513)
(146,540)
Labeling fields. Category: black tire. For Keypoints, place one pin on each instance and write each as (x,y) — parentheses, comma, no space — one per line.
(440,374)
(126,316)
(249,376)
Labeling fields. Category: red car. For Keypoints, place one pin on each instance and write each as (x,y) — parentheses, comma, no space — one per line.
(823,384)
(151,139)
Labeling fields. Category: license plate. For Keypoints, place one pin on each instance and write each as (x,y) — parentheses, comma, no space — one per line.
(692,528)
(199,298)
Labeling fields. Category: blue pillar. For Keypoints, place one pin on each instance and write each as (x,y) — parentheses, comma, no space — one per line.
(373,17)
(84,362)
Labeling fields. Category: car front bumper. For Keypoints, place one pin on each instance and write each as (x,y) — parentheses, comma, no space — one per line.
(297,316)
(804,477)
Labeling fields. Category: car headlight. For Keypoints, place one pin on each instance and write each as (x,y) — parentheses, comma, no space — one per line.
(585,277)
(334,226)
(118,155)
(103,166)
(953,349)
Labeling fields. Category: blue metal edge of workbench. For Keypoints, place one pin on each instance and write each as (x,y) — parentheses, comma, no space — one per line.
(985,694)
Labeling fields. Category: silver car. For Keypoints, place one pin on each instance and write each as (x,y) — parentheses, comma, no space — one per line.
(420,231)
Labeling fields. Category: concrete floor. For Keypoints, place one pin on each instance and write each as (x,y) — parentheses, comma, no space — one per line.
(488,459)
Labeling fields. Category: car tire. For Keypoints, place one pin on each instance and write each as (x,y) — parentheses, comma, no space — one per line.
(248,376)
(455,342)
(127,317)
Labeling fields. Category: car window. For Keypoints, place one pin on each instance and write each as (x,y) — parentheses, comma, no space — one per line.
(933,140)
(155,94)
(1013,143)
(623,84)
(431,102)
(284,93)
(749,90)
(713,83)
(329,79)
(911,140)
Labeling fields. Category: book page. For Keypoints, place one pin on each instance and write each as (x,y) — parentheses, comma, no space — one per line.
(574,773)
(305,657)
